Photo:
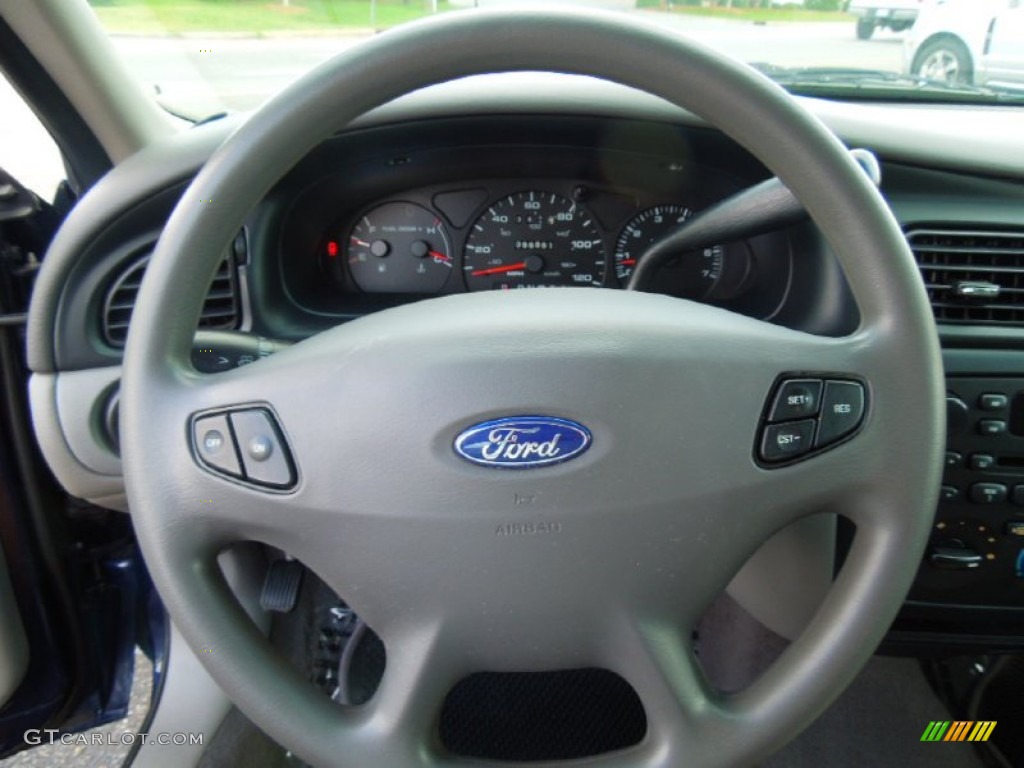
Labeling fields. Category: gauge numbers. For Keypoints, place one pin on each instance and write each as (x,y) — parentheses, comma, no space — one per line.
(690,275)
(533,239)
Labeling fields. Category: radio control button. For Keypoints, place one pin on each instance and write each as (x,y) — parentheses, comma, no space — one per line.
(992,401)
(1014,528)
(988,493)
(981,462)
(991,427)
(954,556)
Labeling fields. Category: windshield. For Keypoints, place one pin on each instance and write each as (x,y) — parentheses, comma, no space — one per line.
(203,57)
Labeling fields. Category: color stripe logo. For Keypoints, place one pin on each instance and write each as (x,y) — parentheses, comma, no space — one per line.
(959,730)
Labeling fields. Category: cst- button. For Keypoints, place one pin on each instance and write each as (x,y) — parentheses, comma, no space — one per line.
(842,408)
(797,399)
(787,441)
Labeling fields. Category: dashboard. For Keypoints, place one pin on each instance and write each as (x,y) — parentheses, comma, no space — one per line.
(540,184)
(477,211)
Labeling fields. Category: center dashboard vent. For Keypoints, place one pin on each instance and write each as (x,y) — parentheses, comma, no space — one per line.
(221,308)
(972,276)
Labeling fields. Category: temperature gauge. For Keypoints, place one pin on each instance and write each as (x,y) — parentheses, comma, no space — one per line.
(397,248)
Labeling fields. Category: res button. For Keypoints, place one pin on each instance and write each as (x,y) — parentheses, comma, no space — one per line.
(842,408)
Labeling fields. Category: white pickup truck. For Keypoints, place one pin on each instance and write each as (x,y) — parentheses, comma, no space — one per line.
(897,15)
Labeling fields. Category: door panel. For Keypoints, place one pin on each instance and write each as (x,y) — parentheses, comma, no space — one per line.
(13,644)
(1005,60)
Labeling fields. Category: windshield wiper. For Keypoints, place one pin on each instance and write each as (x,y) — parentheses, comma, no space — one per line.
(877,84)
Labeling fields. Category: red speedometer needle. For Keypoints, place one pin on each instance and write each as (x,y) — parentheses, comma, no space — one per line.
(498,270)
(628,262)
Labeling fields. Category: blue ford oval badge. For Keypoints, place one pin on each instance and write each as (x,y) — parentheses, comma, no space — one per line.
(522,442)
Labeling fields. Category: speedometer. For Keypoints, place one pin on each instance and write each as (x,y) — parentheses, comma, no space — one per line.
(533,239)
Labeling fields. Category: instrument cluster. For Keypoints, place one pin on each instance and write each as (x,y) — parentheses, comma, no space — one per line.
(541,235)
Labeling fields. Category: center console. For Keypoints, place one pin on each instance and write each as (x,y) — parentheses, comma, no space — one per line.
(976,552)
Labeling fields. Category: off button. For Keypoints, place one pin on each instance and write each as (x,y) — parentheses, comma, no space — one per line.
(842,409)
(782,442)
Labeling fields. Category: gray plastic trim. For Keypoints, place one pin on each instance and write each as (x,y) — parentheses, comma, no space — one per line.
(787,579)
(163,164)
(13,643)
(81,398)
(85,482)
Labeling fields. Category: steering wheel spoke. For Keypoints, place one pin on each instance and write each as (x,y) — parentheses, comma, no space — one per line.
(686,717)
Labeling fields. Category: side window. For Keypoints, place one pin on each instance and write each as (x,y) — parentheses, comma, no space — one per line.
(27,151)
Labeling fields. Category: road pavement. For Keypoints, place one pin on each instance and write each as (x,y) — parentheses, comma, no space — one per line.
(199,74)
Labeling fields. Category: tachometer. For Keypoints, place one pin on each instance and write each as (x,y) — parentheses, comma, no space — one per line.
(533,239)
(693,276)
(399,248)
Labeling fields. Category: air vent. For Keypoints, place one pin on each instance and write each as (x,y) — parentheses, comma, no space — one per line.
(974,277)
(220,309)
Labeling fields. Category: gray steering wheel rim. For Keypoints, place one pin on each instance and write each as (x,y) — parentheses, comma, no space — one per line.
(744,105)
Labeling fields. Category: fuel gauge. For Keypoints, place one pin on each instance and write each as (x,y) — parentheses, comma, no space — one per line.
(398,248)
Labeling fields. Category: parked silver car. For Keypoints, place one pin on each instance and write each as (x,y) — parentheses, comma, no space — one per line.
(978,42)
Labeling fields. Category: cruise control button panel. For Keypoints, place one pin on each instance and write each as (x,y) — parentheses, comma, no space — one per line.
(808,414)
(245,444)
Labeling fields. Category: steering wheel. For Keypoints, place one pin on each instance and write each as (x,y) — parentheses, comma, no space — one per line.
(621,548)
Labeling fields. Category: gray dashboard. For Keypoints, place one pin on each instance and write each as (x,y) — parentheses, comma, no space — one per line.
(944,167)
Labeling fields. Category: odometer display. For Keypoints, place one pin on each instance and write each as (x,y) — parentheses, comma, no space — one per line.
(533,239)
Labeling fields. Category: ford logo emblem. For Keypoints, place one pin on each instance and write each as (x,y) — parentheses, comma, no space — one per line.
(522,442)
